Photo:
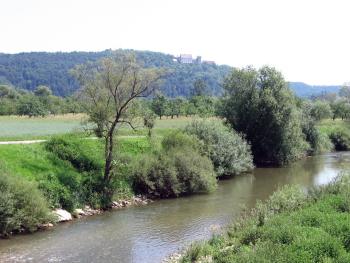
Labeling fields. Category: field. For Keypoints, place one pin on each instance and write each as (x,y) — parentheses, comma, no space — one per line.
(16,127)
(25,128)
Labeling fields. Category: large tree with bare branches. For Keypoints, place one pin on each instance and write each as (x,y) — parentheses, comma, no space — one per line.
(109,90)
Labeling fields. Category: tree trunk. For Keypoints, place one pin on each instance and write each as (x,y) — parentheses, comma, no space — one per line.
(109,158)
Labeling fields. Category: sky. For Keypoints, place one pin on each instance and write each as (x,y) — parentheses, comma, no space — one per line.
(307,40)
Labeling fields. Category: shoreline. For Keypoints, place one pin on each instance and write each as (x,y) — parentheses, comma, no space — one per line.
(64,216)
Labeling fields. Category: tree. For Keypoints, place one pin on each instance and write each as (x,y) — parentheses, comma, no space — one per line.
(108,91)
(30,105)
(340,109)
(159,104)
(320,110)
(44,94)
(345,92)
(149,121)
(199,88)
(259,104)
(42,91)
(175,107)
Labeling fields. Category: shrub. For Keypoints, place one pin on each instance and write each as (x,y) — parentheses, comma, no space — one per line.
(178,139)
(81,186)
(70,149)
(319,142)
(177,169)
(22,207)
(228,151)
(340,139)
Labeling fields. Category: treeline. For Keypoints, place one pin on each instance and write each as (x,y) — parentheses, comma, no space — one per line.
(198,103)
(40,102)
(331,105)
(30,70)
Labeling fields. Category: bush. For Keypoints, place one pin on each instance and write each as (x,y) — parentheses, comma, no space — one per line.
(22,207)
(70,189)
(319,142)
(228,151)
(176,170)
(340,140)
(178,139)
(70,149)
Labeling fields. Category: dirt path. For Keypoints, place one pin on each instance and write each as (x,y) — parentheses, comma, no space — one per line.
(39,141)
(22,142)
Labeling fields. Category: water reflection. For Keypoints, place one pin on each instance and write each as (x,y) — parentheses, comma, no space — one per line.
(148,234)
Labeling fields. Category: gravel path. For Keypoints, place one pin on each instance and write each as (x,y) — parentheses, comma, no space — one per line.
(39,141)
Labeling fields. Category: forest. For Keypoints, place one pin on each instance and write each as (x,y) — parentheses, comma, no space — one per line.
(30,70)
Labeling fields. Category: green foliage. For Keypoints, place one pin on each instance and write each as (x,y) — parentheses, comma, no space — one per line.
(260,105)
(228,151)
(341,109)
(22,206)
(291,226)
(39,103)
(29,70)
(159,104)
(176,170)
(340,140)
(69,149)
(199,88)
(319,142)
(344,92)
(321,110)
(71,189)
(178,139)
(31,107)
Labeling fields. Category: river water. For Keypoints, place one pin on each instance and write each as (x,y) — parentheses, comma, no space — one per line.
(149,233)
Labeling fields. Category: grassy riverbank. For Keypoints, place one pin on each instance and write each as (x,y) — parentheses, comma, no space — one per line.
(63,172)
(68,170)
(292,226)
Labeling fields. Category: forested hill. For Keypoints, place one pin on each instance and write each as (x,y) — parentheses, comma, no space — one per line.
(29,70)
(304,90)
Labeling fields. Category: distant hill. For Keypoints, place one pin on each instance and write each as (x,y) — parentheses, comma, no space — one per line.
(29,70)
(304,90)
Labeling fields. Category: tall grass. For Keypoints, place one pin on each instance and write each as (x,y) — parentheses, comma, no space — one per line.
(292,226)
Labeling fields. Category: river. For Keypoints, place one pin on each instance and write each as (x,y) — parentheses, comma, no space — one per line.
(149,233)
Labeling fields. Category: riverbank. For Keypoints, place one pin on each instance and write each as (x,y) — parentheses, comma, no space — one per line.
(35,180)
(291,226)
(62,215)
(149,233)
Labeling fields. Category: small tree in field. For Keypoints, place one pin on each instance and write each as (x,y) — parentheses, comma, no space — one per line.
(108,92)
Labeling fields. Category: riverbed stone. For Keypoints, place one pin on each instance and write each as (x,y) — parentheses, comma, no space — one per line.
(62,215)
(78,212)
(45,226)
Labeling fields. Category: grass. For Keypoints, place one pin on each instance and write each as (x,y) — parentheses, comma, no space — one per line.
(60,177)
(328,126)
(292,226)
(25,128)
(22,128)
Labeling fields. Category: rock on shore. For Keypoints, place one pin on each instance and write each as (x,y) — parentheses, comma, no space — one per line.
(136,200)
(62,215)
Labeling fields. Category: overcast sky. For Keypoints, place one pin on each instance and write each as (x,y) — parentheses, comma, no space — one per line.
(308,40)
